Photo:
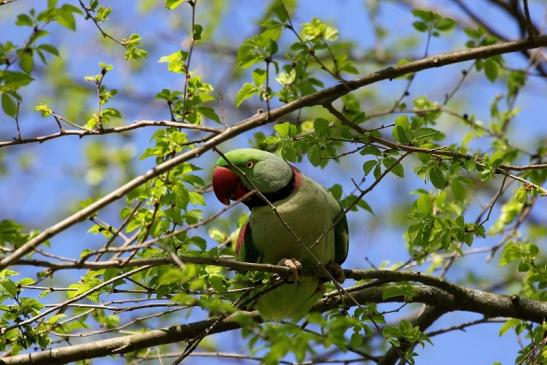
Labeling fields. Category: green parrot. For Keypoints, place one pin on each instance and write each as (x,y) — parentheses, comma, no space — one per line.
(307,208)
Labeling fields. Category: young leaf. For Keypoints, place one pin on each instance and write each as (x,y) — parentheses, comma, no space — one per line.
(491,69)
(368,166)
(437,177)
(397,169)
(420,26)
(9,105)
(245,93)
(173,4)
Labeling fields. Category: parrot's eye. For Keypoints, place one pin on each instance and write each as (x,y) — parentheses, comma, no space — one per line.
(250,164)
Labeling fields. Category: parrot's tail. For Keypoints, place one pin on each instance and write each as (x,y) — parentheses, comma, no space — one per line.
(290,301)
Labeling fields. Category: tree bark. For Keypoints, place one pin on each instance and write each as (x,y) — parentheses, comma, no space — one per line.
(442,301)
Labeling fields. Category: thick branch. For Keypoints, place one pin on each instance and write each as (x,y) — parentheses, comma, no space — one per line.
(120,345)
(319,98)
(457,297)
(488,304)
(466,299)
(518,17)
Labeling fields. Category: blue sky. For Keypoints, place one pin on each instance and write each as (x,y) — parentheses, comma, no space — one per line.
(37,196)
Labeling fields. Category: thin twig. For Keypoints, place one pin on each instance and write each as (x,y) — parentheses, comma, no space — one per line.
(88,15)
(79,296)
(88,132)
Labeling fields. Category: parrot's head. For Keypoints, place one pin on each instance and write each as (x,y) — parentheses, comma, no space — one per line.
(269,173)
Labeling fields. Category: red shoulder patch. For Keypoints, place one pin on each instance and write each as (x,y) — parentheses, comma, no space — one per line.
(241,237)
(297,177)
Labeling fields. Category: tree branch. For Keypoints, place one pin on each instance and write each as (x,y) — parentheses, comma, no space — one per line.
(100,132)
(75,298)
(434,292)
(439,151)
(229,263)
(532,31)
(442,296)
(121,345)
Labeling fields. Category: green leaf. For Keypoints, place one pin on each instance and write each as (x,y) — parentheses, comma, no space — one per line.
(9,106)
(173,4)
(285,129)
(420,26)
(497,158)
(24,20)
(9,286)
(399,135)
(523,266)
(377,171)
(444,24)
(437,177)
(66,19)
(519,251)
(425,15)
(196,198)
(111,113)
(285,78)
(133,52)
(318,30)
(49,48)
(258,48)
(209,113)
(370,150)
(44,109)
(356,339)
(364,205)
(336,191)
(259,76)
(457,189)
(402,121)
(175,61)
(401,132)
(196,31)
(397,169)
(103,13)
(314,155)
(321,126)
(15,80)
(508,325)
(368,166)
(245,93)
(424,204)
(491,69)
(426,134)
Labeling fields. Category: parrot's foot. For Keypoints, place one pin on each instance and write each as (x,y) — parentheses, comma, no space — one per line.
(336,271)
(295,266)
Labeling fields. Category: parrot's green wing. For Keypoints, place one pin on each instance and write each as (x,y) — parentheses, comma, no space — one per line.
(341,240)
(245,248)
(341,231)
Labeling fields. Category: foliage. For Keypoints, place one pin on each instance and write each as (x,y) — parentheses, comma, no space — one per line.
(446,168)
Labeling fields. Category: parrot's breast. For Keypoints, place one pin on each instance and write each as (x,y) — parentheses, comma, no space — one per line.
(308,213)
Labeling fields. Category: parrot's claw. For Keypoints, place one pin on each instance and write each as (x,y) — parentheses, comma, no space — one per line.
(295,266)
(336,271)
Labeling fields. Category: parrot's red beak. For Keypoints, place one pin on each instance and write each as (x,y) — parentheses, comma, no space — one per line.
(227,185)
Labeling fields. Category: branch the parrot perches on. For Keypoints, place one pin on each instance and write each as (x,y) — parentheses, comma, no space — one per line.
(302,204)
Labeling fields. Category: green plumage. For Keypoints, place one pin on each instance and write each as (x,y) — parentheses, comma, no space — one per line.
(309,210)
